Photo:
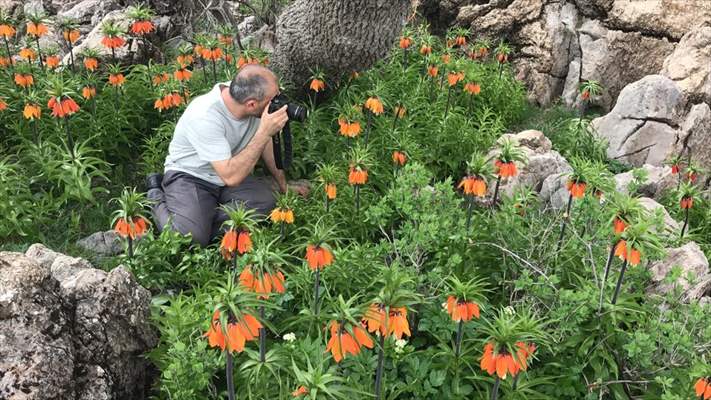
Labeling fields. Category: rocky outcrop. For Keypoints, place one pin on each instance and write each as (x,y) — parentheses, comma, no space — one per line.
(106,243)
(669,225)
(69,331)
(657,181)
(641,129)
(559,43)
(688,65)
(694,277)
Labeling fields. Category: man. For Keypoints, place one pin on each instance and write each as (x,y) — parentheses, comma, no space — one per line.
(216,144)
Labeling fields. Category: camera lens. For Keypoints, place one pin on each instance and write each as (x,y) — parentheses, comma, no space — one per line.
(296,112)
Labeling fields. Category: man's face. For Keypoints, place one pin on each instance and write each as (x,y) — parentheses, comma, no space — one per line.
(272,90)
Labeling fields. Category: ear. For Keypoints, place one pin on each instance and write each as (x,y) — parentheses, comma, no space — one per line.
(251,103)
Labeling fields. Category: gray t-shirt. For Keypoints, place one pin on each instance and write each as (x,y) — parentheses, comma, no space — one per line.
(208,132)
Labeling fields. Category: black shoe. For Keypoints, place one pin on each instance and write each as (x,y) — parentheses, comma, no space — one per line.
(154,181)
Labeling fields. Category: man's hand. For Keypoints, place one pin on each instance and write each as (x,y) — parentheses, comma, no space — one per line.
(273,123)
(301,187)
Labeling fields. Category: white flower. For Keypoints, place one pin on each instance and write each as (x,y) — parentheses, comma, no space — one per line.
(444,306)
(400,345)
(509,310)
(290,337)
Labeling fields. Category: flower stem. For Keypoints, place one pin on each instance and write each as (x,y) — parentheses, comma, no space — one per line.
(470,208)
(262,337)
(282,230)
(70,138)
(496,191)
(71,55)
(514,384)
(316,287)
(619,282)
(610,257)
(686,222)
(234,262)
(130,248)
(449,96)
(379,369)
(495,390)
(39,52)
(356,188)
(214,70)
(9,55)
(566,217)
(460,334)
(230,377)
(113,55)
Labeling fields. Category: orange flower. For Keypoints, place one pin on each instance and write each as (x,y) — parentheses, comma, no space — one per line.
(675,169)
(400,111)
(619,225)
(182,74)
(244,329)
(300,391)
(473,185)
(472,88)
(141,28)
(24,80)
(91,63)
(28,54)
(502,58)
(397,322)
(357,176)
(133,228)
(282,215)
(233,240)
(621,249)
(212,54)
(460,41)
(374,105)
(225,39)
(687,202)
(348,129)
(116,80)
(576,189)
(32,111)
(703,388)
(71,35)
(506,169)
(184,60)
(634,257)
(88,92)
(585,95)
(405,42)
(432,71)
(264,285)
(36,30)
(63,107)
(399,158)
(454,77)
(462,310)
(113,42)
(318,257)
(446,58)
(330,191)
(425,50)
(374,319)
(7,31)
(52,61)
(3,105)
(160,78)
(499,363)
(342,342)
(317,85)
(692,176)
(4,61)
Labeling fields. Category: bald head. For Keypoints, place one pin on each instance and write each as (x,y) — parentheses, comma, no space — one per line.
(253,82)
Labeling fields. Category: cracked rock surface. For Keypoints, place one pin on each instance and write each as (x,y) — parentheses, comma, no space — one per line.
(70,331)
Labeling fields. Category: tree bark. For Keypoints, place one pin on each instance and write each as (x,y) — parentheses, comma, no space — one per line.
(337,36)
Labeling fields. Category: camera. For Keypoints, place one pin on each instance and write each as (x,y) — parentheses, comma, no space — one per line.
(295,112)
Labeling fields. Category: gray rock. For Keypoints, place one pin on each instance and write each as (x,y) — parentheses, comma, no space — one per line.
(640,128)
(695,135)
(554,192)
(694,280)
(106,243)
(659,179)
(688,65)
(670,18)
(68,330)
(669,225)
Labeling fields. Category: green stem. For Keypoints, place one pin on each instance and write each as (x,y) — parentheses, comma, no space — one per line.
(566,217)
(39,52)
(316,287)
(356,188)
(460,334)
(446,109)
(496,191)
(9,55)
(379,369)
(70,142)
(130,248)
(262,337)
(495,390)
(610,257)
(619,282)
(470,208)
(230,377)
(686,222)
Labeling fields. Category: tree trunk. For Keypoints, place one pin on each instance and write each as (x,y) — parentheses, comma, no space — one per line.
(338,36)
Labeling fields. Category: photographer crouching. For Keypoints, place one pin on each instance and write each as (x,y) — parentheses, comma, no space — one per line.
(216,144)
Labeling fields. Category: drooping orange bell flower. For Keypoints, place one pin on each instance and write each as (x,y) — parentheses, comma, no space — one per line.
(211,54)
(317,85)
(473,185)
(262,285)
(184,60)
(405,42)
(472,88)
(502,58)
(88,92)
(397,322)
(318,257)
(635,257)
(446,58)
(113,42)
(71,35)
(140,28)
(619,225)
(117,80)
(282,215)
(27,53)
(32,111)
(63,107)
(621,249)
(331,191)
(234,240)
(24,80)
(357,176)
(52,62)
(460,41)
(432,71)
(374,319)
(460,310)
(585,95)
(576,188)
(36,29)
(454,77)
(702,388)
(160,78)
(348,129)
(675,169)
(3,105)
(506,169)
(374,105)
(133,228)
(341,342)
(91,63)
(4,61)
(300,391)
(425,50)
(502,363)
(632,255)
(237,333)
(7,31)
(182,74)
(399,158)
(686,202)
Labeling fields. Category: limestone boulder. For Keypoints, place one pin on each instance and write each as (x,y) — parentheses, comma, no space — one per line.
(668,18)
(690,64)
(694,137)
(669,226)
(658,180)
(106,243)
(694,279)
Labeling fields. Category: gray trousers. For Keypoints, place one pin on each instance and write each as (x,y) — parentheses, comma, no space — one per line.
(191,205)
